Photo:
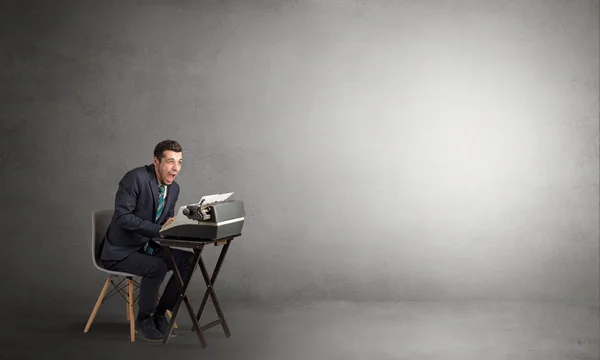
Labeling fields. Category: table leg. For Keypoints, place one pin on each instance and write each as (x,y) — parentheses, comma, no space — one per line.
(183,284)
(210,291)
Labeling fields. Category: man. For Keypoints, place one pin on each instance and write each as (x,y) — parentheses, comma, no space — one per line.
(144,203)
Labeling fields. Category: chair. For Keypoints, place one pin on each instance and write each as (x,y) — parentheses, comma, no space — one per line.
(100,221)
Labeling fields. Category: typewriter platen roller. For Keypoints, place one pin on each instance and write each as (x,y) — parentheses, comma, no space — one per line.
(208,221)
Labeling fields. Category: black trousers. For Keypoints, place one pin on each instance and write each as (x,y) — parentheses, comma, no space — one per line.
(153,269)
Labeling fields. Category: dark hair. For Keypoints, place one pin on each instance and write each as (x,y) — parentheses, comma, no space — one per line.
(166,145)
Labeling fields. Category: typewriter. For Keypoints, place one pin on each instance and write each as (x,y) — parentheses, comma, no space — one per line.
(214,217)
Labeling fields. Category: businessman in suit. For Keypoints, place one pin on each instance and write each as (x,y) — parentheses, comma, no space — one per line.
(144,203)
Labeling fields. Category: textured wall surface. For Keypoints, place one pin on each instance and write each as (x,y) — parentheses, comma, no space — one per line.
(385,150)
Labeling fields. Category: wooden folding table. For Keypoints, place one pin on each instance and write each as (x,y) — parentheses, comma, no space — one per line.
(197,245)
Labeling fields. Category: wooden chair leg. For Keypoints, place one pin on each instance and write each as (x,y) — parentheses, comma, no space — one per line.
(168,314)
(130,305)
(98,303)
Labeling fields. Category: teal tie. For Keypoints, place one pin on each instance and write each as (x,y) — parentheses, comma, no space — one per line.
(161,201)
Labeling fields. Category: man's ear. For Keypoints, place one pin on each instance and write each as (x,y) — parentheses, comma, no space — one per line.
(155,161)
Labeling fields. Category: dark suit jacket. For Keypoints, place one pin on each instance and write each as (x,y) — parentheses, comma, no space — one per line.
(133,224)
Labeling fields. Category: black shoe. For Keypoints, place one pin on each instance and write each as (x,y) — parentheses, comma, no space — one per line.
(162,324)
(147,330)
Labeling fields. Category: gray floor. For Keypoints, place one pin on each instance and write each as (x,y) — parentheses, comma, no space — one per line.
(407,330)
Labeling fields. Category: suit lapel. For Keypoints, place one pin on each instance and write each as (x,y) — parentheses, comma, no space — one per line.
(167,201)
(153,188)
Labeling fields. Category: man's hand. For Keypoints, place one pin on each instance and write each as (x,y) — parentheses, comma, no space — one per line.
(170,220)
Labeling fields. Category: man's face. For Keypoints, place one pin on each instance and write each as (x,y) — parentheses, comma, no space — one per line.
(168,167)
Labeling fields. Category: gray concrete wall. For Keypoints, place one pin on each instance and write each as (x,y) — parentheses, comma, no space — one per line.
(385,150)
